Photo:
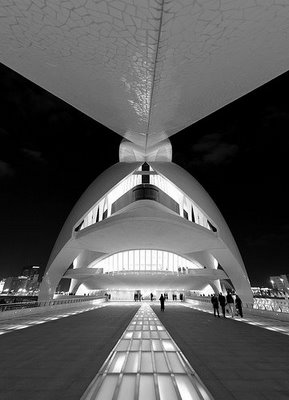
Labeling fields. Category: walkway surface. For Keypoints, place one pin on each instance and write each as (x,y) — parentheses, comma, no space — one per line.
(146,364)
(58,359)
(234,360)
(53,359)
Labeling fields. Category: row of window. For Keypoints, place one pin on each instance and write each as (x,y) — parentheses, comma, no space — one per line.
(187,209)
(144,260)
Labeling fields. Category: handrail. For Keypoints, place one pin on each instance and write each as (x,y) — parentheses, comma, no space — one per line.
(266,305)
(48,303)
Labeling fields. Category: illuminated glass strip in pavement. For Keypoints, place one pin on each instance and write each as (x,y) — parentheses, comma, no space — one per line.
(262,322)
(146,364)
(27,321)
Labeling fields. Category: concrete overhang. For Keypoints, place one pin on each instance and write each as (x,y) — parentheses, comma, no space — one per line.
(148,280)
(146,224)
(84,273)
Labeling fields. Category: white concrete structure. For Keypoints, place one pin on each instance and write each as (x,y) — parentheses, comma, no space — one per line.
(146,69)
(163,234)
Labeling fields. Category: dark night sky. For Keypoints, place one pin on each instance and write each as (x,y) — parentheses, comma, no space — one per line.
(50,153)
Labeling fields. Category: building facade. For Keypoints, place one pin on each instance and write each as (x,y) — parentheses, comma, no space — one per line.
(149,226)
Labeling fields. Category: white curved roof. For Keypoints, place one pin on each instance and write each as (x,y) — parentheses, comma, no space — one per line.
(146,68)
(145,224)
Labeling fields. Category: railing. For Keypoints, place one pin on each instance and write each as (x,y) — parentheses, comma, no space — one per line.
(48,303)
(261,304)
(267,304)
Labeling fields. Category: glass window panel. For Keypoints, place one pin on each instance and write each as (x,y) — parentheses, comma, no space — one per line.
(146,345)
(186,388)
(160,260)
(132,362)
(168,345)
(117,362)
(165,260)
(146,362)
(127,388)
(154,335)
(119,261)
(145,335)
(146,388)
(123,345)
(107,388)
(142,259)
(175,363)
(136,335)
(128,335)
(175,261)
(135,345)
(130,257)
(125,259)
(166,388)
(148,260)
(171,262)
(136,259)
(161,365)
(156,345)
(154,260)
(115,262)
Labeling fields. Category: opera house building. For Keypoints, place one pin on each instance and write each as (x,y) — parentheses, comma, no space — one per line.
(146,69)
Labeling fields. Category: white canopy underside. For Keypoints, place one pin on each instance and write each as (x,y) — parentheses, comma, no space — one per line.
(146,68)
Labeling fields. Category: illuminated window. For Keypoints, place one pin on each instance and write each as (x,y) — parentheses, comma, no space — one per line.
(144,260)
(107,205)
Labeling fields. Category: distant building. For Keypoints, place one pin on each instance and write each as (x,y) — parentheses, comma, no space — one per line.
(280,283)
(2,283)
(31,272)
(25,284)
(15,285)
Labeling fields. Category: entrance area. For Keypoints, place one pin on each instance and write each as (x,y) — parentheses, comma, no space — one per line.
(144,294)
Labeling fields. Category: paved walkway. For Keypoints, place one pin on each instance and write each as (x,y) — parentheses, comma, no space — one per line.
(272,324)
(57,360)
(57,356)
(236,361)
(51,314)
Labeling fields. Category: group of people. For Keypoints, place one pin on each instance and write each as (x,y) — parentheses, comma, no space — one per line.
(231,302)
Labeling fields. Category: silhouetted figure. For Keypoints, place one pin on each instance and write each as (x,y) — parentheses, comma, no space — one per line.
(230,303)
(222,301)
(181,296)
(215,302)
(152,297)
(238,303)
(162,301)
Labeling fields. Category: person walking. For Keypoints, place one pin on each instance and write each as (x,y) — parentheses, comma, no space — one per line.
(152,296)
(238,303)
(222,301)
(162,301)
(230,303)
(215,302)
